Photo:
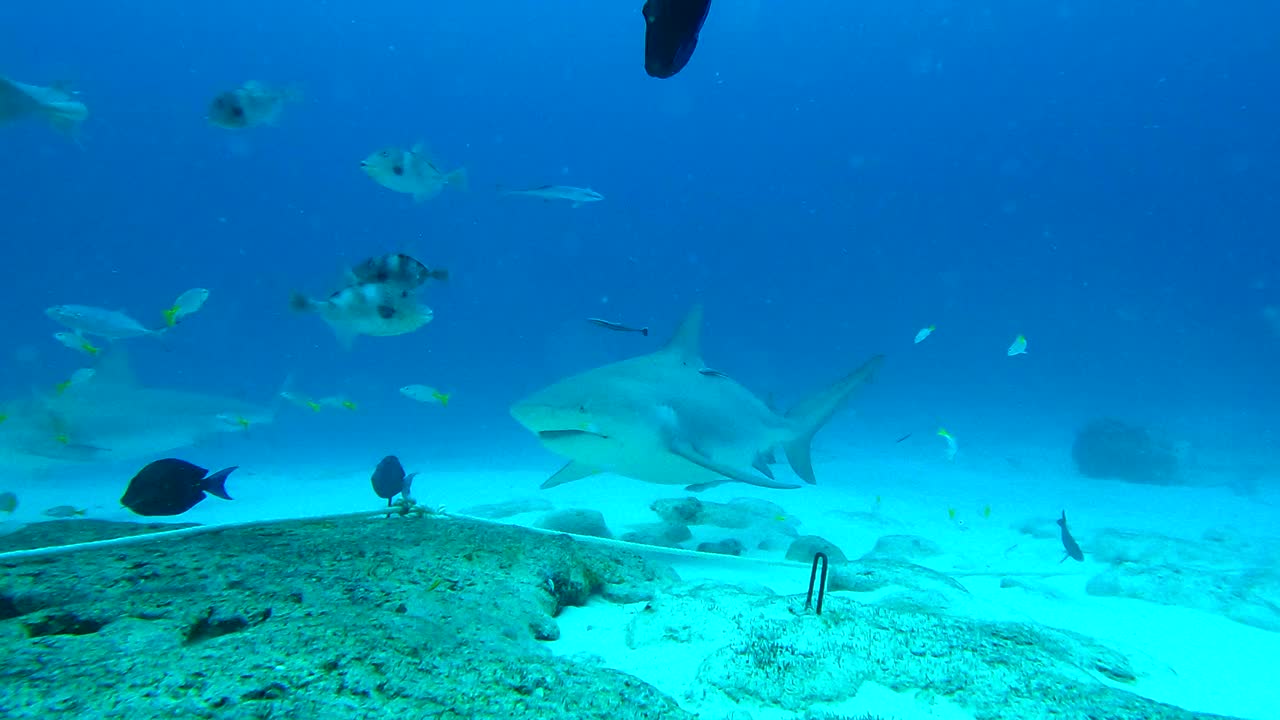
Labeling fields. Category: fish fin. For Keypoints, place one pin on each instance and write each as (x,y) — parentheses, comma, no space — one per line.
(761,463)
(814,412)
(113,368)
(457,178)
(690,453)
(699,487)
(684,344)
(573,470)
(216,484)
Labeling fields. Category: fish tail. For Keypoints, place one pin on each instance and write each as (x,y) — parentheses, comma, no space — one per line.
(457,178)
(814,412)
(442,398)
(216,484)
(439,274)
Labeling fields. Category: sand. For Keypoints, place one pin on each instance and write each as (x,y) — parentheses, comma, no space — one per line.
(970,507)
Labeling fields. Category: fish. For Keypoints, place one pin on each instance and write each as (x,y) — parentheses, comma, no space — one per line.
(76,341)
(300,400)
(172,487)
(656,418)
(424,393)
(8,502)
(186,304)
(575,195)
(336,401)
(250,105)
(618,326)
(904,437)
(115,417)
(952,447)
(411,172)
(396,269)
(78,378)
(1069,544)
(389,479)
(1019,346)
(373,309)
(109,324)
(924,333)
(65,511)
(671,34)
(54,105)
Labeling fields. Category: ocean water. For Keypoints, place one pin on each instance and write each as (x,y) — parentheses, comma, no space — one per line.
(826,178)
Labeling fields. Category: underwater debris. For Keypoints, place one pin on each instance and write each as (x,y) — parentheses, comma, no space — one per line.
(821,583)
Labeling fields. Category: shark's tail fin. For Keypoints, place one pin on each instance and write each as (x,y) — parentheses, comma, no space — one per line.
(814,412)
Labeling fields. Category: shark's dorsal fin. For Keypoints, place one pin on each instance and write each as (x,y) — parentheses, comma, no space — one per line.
(114,368)
(685,344)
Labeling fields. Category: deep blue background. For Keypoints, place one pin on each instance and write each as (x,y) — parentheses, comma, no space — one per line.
(828,177)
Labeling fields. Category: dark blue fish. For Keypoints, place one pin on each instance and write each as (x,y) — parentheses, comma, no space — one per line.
(172,487)
(1069,544)
(671,34)
(388,478)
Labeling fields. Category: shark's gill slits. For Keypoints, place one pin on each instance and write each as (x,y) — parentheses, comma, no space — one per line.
(565,434)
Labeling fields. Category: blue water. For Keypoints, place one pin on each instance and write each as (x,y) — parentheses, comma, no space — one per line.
(1099,176)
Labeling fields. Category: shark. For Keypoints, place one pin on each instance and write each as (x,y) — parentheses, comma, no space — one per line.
(667,418)
(112,417)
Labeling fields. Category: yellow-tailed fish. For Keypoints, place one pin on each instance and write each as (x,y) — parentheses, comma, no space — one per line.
(79,377)
(424,393)
(300,400)
(186,304)
(1019,346)
(952,447)
(338,402)
(924,333)
(76,341)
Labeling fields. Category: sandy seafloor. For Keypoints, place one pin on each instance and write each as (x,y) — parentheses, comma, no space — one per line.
(1196,659)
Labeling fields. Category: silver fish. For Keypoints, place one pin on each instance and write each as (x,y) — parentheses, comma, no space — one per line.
(575,195)
(88,320)
(619,327)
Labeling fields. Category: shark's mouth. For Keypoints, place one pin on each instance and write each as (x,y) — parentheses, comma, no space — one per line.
(567,434)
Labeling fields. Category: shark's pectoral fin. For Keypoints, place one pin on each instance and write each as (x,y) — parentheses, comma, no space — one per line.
(706,485)
(761,463)
(573,470)
(688,452)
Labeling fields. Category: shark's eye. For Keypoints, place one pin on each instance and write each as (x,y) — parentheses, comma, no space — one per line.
(582,408)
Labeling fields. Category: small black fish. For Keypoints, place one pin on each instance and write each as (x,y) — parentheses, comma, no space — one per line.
(904,437)
(712,372)
(396,269)
(389,479)
(671,34)
(172,487)
(1069,543)
(617,326)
